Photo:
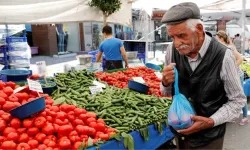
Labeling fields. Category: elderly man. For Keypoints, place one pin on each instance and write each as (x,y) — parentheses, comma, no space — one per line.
(207,77)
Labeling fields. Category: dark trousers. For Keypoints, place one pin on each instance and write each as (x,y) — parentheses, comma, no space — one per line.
(113,64)
(214,145)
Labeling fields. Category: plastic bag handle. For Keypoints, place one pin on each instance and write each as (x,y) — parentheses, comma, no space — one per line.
(176,87)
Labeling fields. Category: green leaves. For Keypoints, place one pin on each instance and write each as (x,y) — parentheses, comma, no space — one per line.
(108,7)
(59,100)
(144,133)
(128,141)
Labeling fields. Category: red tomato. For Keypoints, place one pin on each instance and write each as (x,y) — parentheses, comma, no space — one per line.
(27,123)
(49,143)
(92,131)
(40,137)
(40,122)
(23,138)
(42,147)
(59,122)
(8,130)
(77,145)
(2,101)
(21,130)
(78,111)
(8,106)
(93,124)
(15,123)
(83,117)
(2,125)
(61,115)
(48,129)
(32,131)
(33,143)
(55,108)
(89,120)
(104,137)
(78,122)
(52,137)
(49,119)
(23,146)
(12,136)
(6,116)
(13,98)
(64,144)
(65,129)
(74,138)
(100,121)
(100,127)
(91,115)
(8,91)
(8,145)
(82,129)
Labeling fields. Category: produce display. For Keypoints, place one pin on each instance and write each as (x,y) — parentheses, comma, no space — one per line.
(57,127)
(245,67)
(122,109)
(120,78)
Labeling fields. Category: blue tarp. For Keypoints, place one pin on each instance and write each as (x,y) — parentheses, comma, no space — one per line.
(155,140)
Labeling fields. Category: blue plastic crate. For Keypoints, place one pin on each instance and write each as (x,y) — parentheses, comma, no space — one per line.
(10,48)
(141,56)
(3,59)
(29,109)
(3,49)
(16,39)
(93,53)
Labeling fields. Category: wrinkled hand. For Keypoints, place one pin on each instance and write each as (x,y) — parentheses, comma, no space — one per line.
(200,123)
(168,75)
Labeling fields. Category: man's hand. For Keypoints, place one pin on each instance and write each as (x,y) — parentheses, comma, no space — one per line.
(126,65)
(200,123)
(168,75)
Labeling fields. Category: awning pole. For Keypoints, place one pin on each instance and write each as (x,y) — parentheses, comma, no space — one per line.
(243,16)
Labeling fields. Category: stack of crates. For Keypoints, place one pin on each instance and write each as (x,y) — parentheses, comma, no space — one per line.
(19,52)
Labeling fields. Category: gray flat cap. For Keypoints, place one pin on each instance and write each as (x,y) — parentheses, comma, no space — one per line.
(181,12)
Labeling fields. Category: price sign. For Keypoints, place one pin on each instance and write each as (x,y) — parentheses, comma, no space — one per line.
(159,75)
(139,79)
(35,86)
(99,84)
(19,89)
(41,66)
(95,89)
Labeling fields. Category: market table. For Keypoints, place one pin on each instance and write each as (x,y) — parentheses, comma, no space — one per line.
(155,140)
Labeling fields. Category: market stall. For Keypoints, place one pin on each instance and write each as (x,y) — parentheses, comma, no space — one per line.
(84,113)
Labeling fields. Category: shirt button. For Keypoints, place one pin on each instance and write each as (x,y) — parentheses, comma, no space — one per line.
(190,99)
(182,138)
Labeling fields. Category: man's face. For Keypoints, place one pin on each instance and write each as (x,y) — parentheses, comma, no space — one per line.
(184,39)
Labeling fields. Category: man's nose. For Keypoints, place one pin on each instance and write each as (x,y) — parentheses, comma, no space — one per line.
(177,43)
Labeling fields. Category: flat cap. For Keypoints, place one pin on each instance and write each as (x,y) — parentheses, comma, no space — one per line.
(181,12)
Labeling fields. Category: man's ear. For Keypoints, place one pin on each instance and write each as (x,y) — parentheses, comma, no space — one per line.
(199,28)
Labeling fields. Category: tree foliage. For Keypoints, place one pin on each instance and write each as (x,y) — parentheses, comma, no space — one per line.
(108,7)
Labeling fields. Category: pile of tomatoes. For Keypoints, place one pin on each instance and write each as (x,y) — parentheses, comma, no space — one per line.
(120,79)
(57,127)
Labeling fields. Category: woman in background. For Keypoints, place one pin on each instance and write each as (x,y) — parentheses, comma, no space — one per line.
(222,37)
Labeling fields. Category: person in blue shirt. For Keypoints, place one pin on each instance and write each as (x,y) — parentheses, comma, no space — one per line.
(113,50)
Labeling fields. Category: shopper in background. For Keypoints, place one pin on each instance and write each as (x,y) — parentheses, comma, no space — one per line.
(225,39)
(207,77)
(113,50)
(237,42)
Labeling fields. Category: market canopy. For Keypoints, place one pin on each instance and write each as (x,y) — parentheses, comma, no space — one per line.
(58,11)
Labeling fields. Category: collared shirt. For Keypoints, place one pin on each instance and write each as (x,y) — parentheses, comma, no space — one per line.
(229,75)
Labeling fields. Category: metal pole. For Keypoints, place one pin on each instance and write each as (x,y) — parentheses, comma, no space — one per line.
(243,16)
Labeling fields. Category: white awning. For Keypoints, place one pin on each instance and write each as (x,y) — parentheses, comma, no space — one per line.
(58,11)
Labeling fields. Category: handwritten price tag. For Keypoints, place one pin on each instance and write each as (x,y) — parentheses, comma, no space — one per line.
(99,84)
(41,66)
(95,89)
(35,86)
(159,75)
(139,79)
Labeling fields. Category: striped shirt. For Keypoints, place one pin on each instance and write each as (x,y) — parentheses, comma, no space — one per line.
(229,75)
